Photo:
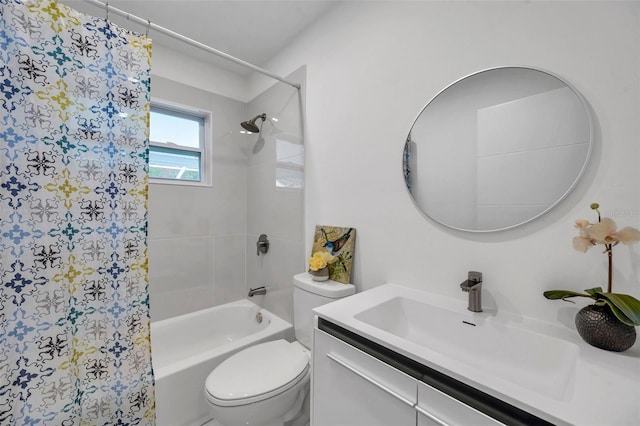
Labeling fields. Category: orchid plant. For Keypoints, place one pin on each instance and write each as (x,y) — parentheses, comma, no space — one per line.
(626,308)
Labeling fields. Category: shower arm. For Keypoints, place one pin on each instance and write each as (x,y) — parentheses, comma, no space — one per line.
(262,116)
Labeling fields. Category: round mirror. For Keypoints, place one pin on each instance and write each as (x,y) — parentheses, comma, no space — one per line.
(497,149)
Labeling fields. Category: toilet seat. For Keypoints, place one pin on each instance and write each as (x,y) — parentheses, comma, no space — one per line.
(257,373)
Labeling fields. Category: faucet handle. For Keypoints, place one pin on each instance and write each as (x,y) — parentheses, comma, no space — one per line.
(262,245)
(475,277)
(473,281)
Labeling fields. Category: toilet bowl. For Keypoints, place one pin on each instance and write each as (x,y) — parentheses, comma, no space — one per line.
(262,385)
(267,384)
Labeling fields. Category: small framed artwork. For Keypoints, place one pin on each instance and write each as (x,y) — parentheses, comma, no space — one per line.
(340,243)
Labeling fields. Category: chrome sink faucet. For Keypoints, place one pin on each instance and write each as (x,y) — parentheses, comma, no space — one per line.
(473,286)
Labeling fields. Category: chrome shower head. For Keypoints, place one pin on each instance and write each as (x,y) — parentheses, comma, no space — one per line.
(250,125)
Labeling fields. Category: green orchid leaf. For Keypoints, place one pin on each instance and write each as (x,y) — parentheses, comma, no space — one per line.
(593,291)
(618,313)
(562,294)
(626,308)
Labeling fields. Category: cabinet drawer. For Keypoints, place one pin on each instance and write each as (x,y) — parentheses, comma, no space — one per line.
(350,387)
(437,408)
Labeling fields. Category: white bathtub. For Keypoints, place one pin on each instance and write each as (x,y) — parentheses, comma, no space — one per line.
(187,348)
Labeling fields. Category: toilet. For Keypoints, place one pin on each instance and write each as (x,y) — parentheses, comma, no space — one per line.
(267,384)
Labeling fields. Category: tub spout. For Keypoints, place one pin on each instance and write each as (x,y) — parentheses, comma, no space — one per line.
(257,291)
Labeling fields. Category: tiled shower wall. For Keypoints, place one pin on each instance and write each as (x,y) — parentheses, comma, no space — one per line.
(202,248)
(197,234)
(275,195)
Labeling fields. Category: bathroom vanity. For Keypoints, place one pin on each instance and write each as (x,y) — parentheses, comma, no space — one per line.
(399,356)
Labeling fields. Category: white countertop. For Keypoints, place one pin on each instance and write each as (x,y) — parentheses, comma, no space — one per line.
(603,389)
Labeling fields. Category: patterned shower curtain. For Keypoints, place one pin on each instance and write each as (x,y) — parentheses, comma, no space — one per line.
(74,305)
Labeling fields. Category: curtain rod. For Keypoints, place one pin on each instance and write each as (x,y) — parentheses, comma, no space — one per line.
(202,46)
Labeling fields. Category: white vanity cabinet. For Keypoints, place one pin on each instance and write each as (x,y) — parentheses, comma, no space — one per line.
(351,387)
(357,382)
(436,408)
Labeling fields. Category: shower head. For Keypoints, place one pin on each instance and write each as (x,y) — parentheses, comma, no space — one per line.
(250,125)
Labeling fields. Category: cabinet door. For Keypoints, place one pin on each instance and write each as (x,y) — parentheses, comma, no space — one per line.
(437,408)
(352,388)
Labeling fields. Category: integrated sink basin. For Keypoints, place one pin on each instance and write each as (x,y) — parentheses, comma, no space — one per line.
(541,367)
(531,360)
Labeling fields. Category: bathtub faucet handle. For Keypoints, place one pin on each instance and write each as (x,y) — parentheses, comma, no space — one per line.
(262,244)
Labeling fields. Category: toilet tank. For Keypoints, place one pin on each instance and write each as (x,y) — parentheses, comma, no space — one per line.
(308,294)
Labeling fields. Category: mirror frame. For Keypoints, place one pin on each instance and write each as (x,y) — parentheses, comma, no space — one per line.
(570,188)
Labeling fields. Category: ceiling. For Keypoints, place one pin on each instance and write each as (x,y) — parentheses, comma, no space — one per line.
(251,30)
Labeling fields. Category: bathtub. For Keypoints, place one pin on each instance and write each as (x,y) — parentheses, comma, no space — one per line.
(185,349)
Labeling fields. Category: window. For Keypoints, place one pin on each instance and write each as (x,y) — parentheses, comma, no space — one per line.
(179,146)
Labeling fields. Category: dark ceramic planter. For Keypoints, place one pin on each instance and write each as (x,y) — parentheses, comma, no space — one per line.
(599,327)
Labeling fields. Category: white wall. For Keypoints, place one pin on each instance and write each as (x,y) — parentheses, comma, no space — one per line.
(177,66)
(372,66)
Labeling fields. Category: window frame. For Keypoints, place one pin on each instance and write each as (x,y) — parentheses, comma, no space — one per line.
(205,150)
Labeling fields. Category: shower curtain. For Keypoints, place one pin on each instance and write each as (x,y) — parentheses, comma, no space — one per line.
(74,305)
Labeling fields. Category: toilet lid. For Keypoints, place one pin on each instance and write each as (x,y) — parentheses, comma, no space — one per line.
(257,371)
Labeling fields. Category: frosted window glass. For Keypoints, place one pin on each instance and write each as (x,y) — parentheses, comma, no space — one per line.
(289,178)
(174,164)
